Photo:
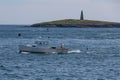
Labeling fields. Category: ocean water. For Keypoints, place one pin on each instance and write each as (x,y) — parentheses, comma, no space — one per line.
(94,54)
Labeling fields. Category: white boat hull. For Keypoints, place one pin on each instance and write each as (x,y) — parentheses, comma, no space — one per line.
(33,49)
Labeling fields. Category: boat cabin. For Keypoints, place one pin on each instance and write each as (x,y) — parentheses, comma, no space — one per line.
(42,43)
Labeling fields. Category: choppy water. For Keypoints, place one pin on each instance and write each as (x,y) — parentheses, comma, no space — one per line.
(94,55)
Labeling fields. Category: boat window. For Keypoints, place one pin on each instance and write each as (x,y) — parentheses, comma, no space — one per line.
(33,46)
(53,47)
(41,42)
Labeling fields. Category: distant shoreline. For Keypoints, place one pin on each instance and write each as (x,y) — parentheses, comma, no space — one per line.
(71,23)
(77,26)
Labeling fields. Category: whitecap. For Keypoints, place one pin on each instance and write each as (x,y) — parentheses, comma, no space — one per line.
(74,51)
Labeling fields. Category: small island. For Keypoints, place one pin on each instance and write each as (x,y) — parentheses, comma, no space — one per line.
(72,23)
(77,23)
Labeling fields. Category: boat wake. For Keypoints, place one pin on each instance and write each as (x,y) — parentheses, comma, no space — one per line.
(25,52)
(74,51)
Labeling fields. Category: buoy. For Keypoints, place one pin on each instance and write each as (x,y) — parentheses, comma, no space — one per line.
(19,34)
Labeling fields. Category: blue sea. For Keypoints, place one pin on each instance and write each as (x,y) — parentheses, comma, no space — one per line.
(94,54)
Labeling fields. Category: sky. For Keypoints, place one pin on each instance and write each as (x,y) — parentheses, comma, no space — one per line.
(34,11)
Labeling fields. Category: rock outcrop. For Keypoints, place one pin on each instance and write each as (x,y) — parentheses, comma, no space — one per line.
(77,25)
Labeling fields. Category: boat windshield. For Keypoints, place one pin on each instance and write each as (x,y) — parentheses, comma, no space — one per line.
(41,42)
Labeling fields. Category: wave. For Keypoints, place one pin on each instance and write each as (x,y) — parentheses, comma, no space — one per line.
(74,51)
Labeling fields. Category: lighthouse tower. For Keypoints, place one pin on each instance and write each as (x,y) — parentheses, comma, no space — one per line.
(82,16)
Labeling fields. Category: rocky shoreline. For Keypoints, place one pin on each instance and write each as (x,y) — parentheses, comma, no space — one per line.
(76,25)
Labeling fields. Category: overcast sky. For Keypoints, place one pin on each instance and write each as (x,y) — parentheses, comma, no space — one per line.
(33,11)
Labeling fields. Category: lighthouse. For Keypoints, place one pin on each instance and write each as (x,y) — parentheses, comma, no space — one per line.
(82,16)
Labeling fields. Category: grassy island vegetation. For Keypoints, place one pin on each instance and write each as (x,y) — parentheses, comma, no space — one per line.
(73,21)
(77,23)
